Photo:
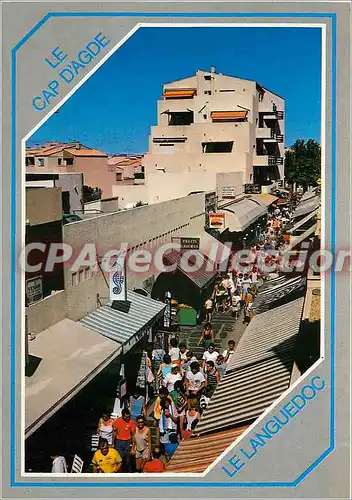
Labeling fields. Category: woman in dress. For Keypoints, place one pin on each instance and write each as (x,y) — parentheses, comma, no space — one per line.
(105,429)
(137,404)
(141,446)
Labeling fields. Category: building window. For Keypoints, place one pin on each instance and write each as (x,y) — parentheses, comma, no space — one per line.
(59,161)
(30,161)
(142,169)
(74,279)
(81,276)
(217,147)
(119,176)
(69,161)
(181,118)
(41,162)
(227,90)
(207,92)
(207,77)
(205,117)
(87,273)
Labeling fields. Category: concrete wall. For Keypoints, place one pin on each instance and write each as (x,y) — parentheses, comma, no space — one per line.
(129,194)
(73,183)
(43,205)
(140,227)
(96,173)
(47,312)
(232,180)
(110,205)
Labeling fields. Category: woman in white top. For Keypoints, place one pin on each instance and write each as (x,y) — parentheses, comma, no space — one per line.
(105,429)
(171,378)
(174,351)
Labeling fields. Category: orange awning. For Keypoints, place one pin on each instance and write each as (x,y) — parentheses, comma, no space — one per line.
(178,93)
(229,115)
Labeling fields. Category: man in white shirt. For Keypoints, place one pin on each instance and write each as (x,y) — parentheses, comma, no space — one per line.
(229,352)
(209,355)
(171,378)
(195,381)
(246,283)
(59,464)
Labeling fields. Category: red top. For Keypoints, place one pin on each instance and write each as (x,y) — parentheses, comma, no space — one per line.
(124,430)
(154,465)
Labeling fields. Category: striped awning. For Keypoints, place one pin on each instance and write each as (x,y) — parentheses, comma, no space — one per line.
(302,221)
(284,290)
(296,240)
(307,206)
(228,115)
(242,213)
(178,93)
(259,371)
(127,325)
(196,454)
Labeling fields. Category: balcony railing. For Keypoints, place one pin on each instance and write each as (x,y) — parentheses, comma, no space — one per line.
(273,115)
(275,160)
(268,133)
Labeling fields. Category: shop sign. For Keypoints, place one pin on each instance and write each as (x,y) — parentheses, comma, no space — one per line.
(167,311)
(228,192)
(117,280)
(217,220)
(190,243)
(34,289)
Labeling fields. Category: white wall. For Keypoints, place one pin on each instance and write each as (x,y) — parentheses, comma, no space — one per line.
(129,194)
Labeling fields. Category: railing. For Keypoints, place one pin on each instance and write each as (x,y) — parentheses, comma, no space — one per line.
(275,160)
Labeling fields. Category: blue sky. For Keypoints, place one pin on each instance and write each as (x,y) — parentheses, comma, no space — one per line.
(114,110)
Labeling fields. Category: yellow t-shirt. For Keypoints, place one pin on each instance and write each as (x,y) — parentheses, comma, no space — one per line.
(111,462)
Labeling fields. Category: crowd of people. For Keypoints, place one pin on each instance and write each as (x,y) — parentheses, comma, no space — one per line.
(125,443)
(183,383)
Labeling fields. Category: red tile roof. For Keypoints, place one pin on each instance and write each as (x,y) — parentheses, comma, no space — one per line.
(85,152)
(198,453)
(51,149)
(125,161)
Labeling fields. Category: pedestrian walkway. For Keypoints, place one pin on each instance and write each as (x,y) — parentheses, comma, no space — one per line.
(225,328)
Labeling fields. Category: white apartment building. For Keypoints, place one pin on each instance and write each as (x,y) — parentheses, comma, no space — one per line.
(212,124)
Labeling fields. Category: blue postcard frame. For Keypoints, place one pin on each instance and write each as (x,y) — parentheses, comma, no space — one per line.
(194,483)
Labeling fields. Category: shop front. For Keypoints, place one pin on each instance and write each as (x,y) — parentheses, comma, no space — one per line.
(244,221)
(132,324)
(189,284)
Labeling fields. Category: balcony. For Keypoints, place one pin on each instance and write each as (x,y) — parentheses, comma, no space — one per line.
(268,135)
(275,160)
(263,133)
(273,115)
(267,161)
